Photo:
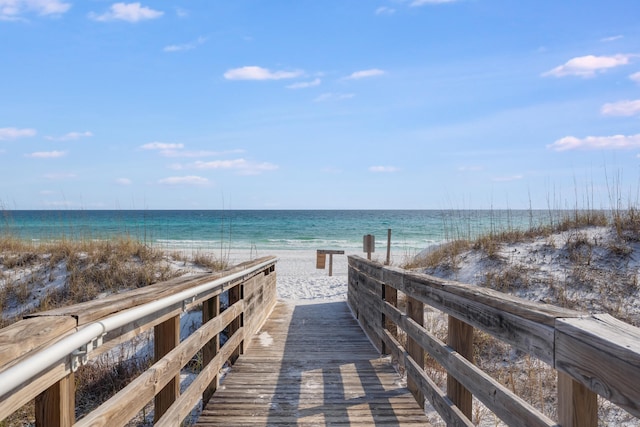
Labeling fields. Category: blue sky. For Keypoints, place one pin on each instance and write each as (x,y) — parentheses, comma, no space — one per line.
(333,104)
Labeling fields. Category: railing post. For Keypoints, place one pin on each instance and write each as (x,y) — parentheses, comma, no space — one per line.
(235,295)
(460,338)
(577,405)
(210,309)
(390,295)
(415,311)
(56,406)
(166,338)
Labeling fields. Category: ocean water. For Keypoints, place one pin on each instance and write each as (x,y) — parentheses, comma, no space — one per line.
(412,230)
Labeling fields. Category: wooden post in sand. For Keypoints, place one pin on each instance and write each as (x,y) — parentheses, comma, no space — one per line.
(388,247)
(321,256)
(369,245)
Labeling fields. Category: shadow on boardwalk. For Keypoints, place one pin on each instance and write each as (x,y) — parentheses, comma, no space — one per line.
(312,365)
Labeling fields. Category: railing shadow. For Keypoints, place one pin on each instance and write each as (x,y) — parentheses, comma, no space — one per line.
(326,353)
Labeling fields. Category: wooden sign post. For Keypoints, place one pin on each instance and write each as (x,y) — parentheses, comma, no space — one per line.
(369,244)
(321,256)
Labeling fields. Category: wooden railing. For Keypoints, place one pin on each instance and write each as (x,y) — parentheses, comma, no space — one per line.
(592,354)
(251,291)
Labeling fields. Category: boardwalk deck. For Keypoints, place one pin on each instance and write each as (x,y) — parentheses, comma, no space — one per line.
(312,365)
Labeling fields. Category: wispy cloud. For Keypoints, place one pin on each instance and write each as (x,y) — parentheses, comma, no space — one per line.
(46,154)
(384,10)
(588,66)
(383,169)
(184,180)
(470,168)
(15,133)
(304,85)
(161,146)
(507,178)
(614,142)
(635,77)
(242,166)
(365,73)
(123,181)
(186,46)
(621,108)
(71,136)
(167,149)
(416,3)
(13,10)
(130,12)
(611,39)
(60,175)
(333,97)
(253,72)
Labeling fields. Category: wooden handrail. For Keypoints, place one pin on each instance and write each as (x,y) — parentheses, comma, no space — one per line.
(252,290)
(593,354)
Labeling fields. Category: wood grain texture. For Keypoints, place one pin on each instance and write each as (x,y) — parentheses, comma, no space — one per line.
(312,365)
(603,354)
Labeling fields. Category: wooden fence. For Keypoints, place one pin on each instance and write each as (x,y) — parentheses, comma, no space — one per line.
(251,289)
(592,354)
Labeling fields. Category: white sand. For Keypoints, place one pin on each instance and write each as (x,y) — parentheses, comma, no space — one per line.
(299,281)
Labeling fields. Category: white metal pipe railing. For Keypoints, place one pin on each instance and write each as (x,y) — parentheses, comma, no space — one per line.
(34,365)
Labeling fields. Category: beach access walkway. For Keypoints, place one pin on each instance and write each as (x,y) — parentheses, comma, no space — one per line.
(312,365)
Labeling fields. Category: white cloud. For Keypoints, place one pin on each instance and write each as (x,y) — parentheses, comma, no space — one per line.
(588,66)
(470,168)
(383,169)
(184,180)
(130,12)
(12,10)
(198,153)
(621,108)
(611,39)
(383,10)
(46,154)
(303,85)
(507,178)
(253,72)
(161,146)
(59,175)
(123,181)
(614,142)
(415,3)
(333,97)
(186,46)
(15,133)
(71,136)
(242,166)
(182,13)
(635,77)
(365,73)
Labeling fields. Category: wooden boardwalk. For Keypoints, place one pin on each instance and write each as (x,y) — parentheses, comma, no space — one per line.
(312,365)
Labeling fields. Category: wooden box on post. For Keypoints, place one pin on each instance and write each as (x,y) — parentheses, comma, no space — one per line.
(321,260)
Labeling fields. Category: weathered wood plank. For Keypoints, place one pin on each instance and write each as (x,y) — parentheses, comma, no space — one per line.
(56,406)
(507,406)
(308,365)
(31,334)
(460,339)
(603,354)
(125,404)
(526,325)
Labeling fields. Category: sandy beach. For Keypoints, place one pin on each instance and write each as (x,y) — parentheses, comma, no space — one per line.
(299,281)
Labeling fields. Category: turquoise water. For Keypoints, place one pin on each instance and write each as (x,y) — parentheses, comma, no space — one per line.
(412,230)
